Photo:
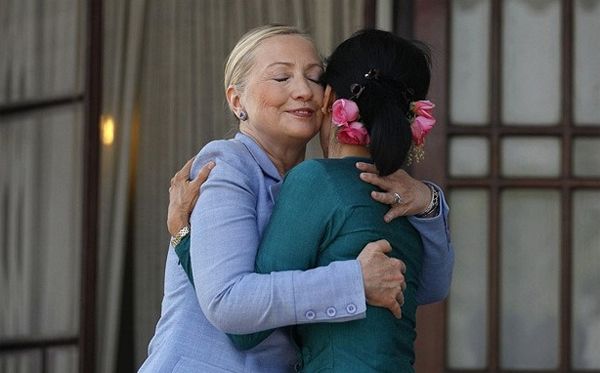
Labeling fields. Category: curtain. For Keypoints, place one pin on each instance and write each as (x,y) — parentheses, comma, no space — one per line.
(122,50)
(182,107)
(41,175)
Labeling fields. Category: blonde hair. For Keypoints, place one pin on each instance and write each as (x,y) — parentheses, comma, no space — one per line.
(241,58)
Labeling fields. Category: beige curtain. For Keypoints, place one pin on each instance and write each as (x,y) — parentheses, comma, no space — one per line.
(183,107)
(122,50)
(40,179)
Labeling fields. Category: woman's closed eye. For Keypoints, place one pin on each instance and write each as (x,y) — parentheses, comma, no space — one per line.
(281,78)
(313,79)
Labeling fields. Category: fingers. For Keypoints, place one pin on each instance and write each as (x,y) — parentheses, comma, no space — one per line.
(184,173)
(395,308)
(374,179)
(402,267)
(203,174)
(387,198)
(392,214)
(367,167)
(187,167)
(402,176)
(396,209)
(400,298)
(382,246)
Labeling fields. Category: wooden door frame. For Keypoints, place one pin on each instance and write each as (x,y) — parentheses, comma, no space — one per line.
(430,25)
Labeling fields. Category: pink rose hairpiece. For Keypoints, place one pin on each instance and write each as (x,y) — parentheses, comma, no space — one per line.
(345,115)
(421,122)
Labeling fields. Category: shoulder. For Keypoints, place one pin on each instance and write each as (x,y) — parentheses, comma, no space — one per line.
(308,167)
(231,151)
(311,173)
(227,154)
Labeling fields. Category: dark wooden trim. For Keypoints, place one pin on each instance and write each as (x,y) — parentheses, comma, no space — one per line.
(443,157)
(540,183)
(403,18)
(26,107)
(494,260)
(566,277)
(521,371)
(430,25)
(93,100)
(22,344)
(528,130)
(370,13)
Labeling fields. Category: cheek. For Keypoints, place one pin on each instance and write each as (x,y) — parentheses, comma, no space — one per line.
(270,98)
(324,132)
(262,99)
(318,94)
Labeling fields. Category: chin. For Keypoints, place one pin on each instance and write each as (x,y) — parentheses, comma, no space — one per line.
(303,134)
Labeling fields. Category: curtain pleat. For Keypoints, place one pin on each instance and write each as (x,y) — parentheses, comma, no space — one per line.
(123,44)
(41,174)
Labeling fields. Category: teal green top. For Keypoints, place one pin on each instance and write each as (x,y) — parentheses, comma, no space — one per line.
(325,214)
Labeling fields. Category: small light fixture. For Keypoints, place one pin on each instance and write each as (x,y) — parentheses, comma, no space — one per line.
(107,129)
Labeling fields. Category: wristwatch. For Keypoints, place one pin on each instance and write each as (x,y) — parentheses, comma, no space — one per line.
(176,239)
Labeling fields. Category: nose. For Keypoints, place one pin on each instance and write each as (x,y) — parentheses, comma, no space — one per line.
(302,89)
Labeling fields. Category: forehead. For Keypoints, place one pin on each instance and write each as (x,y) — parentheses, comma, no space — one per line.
(292,49)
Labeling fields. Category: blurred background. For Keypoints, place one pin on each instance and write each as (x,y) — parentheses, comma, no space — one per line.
(102,101)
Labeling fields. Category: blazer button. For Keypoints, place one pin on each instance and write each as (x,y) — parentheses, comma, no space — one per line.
(310,314)
(331,311)
(351,308)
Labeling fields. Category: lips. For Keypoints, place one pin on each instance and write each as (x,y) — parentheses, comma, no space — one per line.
(302,112)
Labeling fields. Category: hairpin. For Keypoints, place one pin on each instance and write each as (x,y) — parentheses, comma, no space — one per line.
(356,90)
(372,74)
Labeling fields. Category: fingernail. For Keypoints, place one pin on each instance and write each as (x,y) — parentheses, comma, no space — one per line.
(363,175)
(211,164)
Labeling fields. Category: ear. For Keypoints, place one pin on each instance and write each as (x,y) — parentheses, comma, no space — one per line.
(328,99)
(234,99)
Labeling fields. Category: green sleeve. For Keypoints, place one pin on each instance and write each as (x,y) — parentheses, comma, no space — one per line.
(298,225)
(183,253)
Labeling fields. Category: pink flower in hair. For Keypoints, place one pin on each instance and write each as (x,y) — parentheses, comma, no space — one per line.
(354,133)
(344,112)
(423,120)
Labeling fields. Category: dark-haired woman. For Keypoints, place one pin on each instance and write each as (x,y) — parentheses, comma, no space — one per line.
(376,86)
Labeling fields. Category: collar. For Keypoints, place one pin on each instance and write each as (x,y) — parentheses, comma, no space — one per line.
(259,156)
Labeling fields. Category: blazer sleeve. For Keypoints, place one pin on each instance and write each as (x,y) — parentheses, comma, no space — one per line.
(224,241)
(438,254)
(292,239)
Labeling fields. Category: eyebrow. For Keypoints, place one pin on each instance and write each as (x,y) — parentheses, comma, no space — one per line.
(291,64)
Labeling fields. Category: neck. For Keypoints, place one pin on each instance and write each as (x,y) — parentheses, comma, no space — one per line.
(283,156)
(346,150)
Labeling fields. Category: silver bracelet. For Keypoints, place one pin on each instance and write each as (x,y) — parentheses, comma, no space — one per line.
(433,204)
(176,239)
